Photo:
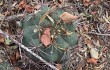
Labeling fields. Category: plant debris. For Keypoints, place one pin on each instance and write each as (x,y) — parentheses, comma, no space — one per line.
(67,34)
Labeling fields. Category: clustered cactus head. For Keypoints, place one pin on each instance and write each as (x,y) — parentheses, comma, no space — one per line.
(50,30)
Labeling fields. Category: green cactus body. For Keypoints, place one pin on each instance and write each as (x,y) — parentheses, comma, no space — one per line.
(61,41)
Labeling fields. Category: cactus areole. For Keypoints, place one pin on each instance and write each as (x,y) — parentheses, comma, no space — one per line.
(48,33)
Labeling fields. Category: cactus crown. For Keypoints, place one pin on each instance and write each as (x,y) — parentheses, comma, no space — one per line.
(48,33)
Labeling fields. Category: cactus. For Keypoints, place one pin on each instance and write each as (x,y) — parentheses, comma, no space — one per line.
(64,35)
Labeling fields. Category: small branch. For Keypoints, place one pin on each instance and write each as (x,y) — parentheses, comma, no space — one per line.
(99,34)
(108,59)
(11,17)
(26,49)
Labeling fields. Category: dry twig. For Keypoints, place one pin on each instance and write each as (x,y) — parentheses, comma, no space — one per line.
(99,34)
(26,49)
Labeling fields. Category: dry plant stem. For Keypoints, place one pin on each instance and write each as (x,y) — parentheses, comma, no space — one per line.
(2,21)
(108,59)
(11,17)
(8,56)
(99,34)
(26,49)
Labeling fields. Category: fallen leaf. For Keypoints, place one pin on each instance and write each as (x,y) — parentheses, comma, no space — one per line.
(29,8)
(85,28)
(86,2)
(86,67)
(18,55)
(67,17)
(108,27)
(53,8)
(93,13)
(13,58)
(94,53)
(46,37)
(88,42)
(104,49)
(96,2)
(92,60)
(1,39)
(59,66)
(37,6)
(17,68)
(47,31)
(46,40)
(22,4)
(7,13)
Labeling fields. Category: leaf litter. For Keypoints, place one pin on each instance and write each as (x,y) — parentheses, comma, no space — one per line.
(92,27)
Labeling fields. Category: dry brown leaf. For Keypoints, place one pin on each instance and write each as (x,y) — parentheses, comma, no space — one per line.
(88,42)
(96,2)
(45,38)
(53,8)
(1,39)
(108,27)
(29,8)
(86,67)
(104,49)
(37,6)
(67,17)
(7,13)
(47,31)
(86,2)
(94,13)
(80,28)
(85,28)
(13,58)
(92,60)
(22,4)
(18,55)
(17,68)
(59,66)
